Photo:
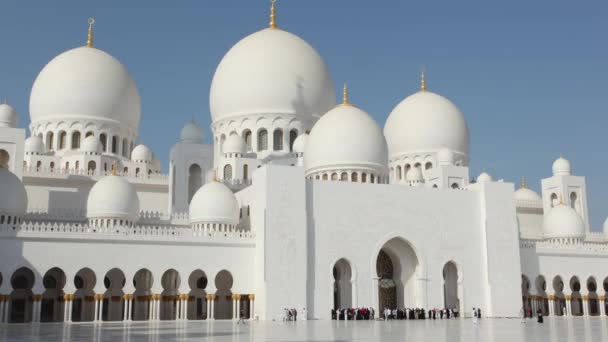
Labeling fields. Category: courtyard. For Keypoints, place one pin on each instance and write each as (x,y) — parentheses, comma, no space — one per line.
(487,330)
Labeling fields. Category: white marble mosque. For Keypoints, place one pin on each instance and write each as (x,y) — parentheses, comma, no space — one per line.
(301,201)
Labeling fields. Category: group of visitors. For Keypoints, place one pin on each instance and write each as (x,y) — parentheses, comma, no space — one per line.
(290,315)
(527,313)
(352,314)
(476,315)
(419,313)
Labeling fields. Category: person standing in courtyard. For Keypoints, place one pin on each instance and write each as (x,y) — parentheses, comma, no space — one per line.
(474,316)
(539,316)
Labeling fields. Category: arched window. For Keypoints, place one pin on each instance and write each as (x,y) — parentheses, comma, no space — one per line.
(91,167)
(115,144)
(75,140)
(228,172)
(325,176)
(4,159)
(77,166)
(573,201)
(194,180)
(455,186)
(354,177)
(247,137)
(277,140)
(62,137)
(364,178)
(334,176)
(428,165)
(245,172)
(372,178)
(399,175)
(88,134)
(104,141)
(293,135)
(125,170)
(67,165)
(38,165)
(125,148)
(344,177)
(554,201)
(105,167)
(136,171)
(52,166)
(49,141)
(262,140)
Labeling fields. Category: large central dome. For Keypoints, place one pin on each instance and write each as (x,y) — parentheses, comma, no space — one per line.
(271,72)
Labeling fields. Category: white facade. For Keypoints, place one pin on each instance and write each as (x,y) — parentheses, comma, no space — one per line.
(299,203)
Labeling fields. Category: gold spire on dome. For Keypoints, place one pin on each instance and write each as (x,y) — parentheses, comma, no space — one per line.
(423,80)
(90,34)
(345,101)
(523,182)
(273,15)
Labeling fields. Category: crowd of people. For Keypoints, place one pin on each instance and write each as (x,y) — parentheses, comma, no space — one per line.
(353,314)
(290,315)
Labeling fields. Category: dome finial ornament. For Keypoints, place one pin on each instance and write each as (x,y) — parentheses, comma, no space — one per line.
(423,80)
(273,15)
(523,182)
(90,34)
(345,101)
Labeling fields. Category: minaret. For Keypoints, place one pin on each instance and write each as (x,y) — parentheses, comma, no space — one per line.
(90,34)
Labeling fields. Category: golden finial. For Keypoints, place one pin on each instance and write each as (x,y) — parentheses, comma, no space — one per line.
(114,173)
(345,101)
(273,14)
(90,35)
(523,182)
(423,80)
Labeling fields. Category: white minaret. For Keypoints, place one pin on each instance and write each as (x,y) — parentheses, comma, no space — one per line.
(564,186)
(13,140)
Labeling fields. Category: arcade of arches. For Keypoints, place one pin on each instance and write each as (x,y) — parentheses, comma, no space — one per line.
(22,305)
(558,296)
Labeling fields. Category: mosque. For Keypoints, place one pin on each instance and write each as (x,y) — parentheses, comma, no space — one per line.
(301,201)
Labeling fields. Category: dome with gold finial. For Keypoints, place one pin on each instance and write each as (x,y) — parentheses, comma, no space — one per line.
(113,197)
(8,115)
(563,222)
(424,123)
(85,84)
(527,195)
(271,71)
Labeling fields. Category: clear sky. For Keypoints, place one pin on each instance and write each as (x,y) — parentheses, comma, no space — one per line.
(530,76)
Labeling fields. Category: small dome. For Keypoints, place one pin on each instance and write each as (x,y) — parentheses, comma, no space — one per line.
(484,177)
(91,144)
(525,194)
(113,197)
(191,133)
(271,71)
(234,144)
(142,153)
(85,84)
(445,157)
(426,122)
(13,200)
(300,144)
(214,202)
(414,175)
(563,222)
(34,144)
(8,116)
(561,167)
(346,137)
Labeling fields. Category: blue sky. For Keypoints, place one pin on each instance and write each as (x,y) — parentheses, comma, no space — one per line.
(530,76)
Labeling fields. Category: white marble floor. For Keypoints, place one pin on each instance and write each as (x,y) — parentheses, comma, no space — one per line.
(488,330)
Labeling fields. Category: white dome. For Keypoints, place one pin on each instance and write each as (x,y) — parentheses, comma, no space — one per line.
(300,144)
(141,152)
(484,177)
(348,137)
(14,197)
(214,202)
(191,133)
(8,116)
(91,144)
(271,72)
(426,122)
(34,144)
(445,157)
(234,144)
(561,167)
(414,175)
(563,222)
(113,197)
(85,84)
(525,194)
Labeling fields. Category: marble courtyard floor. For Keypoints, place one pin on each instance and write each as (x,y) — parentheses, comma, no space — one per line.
(488,330)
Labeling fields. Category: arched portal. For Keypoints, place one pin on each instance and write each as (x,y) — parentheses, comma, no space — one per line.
(576,298)
(560,298)
(542,301)
(21,303)
(4,159)
(605,301)
(525,294)
(51,307)
(396,266)
(197,303)
(194,180)
(169,297)
(83,306)
(223,304)
(142,281)
(450,286)
(113,299)
(592,299)
(342,273)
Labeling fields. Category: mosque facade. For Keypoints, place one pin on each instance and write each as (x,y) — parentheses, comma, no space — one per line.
(301,201)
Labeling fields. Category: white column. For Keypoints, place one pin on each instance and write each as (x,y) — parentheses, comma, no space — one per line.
(238,308)
(375,296)
(569,305)
(178,308)
(208,303)
(7,303)
(2,303)
(129,308)
(96,315)
(125,313)
(551,306)
(585,301)
(251,306)
(35,315)
(101,309)
(185,308)
(234,307)
(602,304)
(212,307)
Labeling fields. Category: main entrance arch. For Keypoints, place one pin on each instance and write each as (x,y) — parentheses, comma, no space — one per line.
(342,273)
(396,266)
